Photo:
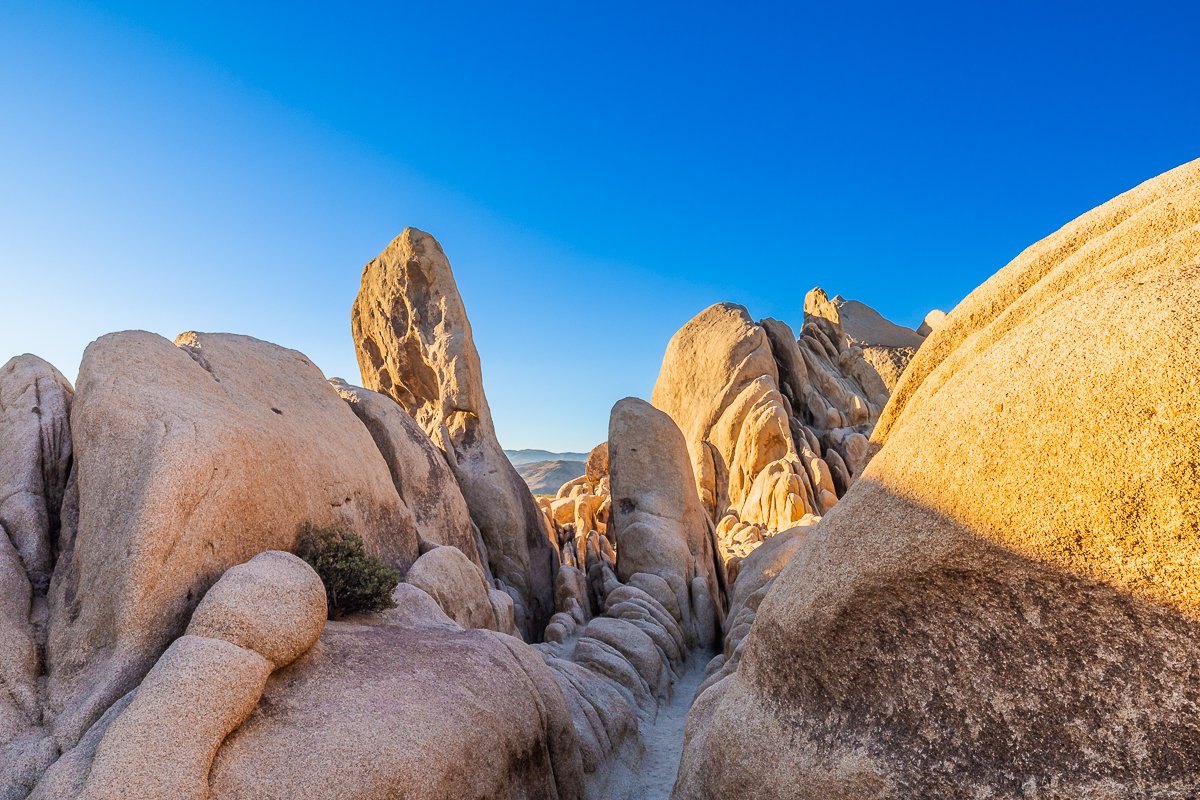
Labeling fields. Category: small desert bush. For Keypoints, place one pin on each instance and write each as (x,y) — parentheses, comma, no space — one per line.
(355,580)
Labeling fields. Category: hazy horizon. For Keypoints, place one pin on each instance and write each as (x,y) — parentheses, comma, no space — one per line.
(222,169)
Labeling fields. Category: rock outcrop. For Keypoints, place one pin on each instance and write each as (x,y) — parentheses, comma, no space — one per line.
(1007,601)
(461,590)
(259,617)
(776,426)
(658,522)
(190,458)
(647,592)
(35,407)
(408,700)
(35,460)
(884,345)
(933,320)
(419,471)
(414,344)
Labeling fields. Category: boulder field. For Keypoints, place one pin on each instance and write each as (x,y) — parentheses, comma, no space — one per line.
(960,561)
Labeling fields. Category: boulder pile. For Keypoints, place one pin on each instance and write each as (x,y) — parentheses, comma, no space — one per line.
(777,426)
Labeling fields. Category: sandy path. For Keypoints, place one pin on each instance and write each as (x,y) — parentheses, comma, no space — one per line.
(663,739)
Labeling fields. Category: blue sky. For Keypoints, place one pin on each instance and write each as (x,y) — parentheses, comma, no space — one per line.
(597,173)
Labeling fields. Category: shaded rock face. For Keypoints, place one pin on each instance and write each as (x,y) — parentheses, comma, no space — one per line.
(460,589)
(414,344)
(35,406)
(933,638)
(258,617)
(639,590)
(35,459)
(419,471)
(189,458)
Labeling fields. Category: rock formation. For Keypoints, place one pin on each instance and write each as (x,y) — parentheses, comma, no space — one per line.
(886,346)
(659,525)
(462,590)
(955,562)
(35,459)
(777,426)
(406,701)
(419,472)
(259,617)
(190,458)
(1006,601)
(414,344)
(933,320)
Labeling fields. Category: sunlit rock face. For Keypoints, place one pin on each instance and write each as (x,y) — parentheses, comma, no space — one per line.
(414,344)
(886,346)
(777,426)
(1007,601)
(190,457)
(659,525)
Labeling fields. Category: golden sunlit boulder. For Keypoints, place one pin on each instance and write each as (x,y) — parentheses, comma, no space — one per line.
(933,320)
(776,425)
(1007,601)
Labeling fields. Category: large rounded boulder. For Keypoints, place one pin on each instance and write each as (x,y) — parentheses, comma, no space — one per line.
(1007,602)
(191,457)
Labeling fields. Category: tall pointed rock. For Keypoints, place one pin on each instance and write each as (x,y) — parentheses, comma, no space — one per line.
(414,344)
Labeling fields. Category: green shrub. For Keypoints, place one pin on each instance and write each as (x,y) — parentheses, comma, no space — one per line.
(355,580)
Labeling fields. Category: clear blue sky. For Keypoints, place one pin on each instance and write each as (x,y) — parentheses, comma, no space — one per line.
(597,173)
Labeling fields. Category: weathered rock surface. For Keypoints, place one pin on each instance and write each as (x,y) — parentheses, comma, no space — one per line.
(35,407)
(414,344)
(258,617)
(659,524)
(406,706)
(458,586)
(35,458)
(776,426)
(886,346)
(933,320)
(419,471)
(190,458)
(1005,603)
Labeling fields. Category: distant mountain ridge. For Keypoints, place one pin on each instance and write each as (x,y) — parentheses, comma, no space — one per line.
(545,477)
(519,457)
